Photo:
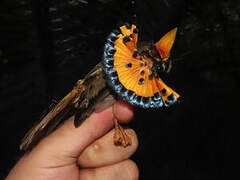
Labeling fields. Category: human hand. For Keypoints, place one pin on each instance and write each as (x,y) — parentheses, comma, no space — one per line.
(87,152)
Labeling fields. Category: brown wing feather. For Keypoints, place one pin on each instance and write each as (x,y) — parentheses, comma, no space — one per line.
(51,120)
(82,100)
(100,102)
(96,92)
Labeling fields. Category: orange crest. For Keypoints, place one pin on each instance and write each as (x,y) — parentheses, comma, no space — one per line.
(132,74)
(164,45)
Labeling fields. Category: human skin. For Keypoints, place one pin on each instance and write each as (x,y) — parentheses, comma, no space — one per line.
(86,152)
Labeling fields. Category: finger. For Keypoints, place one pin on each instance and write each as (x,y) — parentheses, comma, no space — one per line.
(123,111)
(103,152)
(127,170)
(68,141)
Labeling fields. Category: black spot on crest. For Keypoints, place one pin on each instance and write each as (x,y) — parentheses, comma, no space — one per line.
(145,100)
(110,42)
(130,93)
(123,89)
(112,51)
(114,74)
(135,31)
(156,95)
(170,97)
(164,92)
(110,62)
(139,98)
(141,81)
(128,65)
(142,72)
(150,76)
(116,82)
(114,38)
(126,39)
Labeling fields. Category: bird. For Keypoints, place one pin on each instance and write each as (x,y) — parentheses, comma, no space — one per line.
(129,70)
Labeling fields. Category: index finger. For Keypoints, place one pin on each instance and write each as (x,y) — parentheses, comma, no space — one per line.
(68,141)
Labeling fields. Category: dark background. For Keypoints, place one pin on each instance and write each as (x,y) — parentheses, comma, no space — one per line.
(46,46)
